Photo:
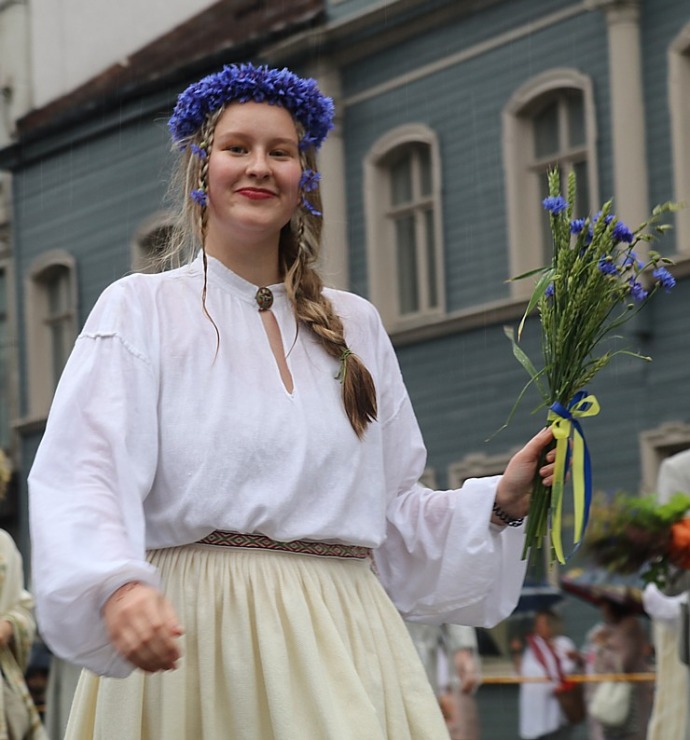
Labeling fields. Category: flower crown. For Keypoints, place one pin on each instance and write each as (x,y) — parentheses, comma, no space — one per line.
(244,82)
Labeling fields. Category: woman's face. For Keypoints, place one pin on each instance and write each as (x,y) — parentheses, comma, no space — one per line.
(254,171)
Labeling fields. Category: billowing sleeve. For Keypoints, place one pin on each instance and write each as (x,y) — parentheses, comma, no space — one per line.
(442,559)
(93,469)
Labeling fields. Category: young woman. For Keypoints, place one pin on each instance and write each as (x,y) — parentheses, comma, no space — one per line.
(227,485)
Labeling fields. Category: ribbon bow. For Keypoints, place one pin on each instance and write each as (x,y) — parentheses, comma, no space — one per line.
(565,424)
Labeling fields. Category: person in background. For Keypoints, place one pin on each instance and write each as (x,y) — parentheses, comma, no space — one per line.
(19,718)
(451,659)
(547,654)
(670,716)
(230,448)
(622,646)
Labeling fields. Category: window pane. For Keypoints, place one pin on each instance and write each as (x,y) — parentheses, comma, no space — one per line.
(576,117)
(58,293)
(582,191)
(59,356)
(547,240)
(546,131)
(401,180)
(425,169)
(431,257)
(408,295)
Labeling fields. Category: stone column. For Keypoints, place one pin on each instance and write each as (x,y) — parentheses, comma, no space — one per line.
(627,109)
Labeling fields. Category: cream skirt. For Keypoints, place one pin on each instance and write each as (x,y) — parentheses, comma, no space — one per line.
(277,646)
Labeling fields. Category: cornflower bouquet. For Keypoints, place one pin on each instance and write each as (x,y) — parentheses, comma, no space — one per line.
(630,534)
(596,281)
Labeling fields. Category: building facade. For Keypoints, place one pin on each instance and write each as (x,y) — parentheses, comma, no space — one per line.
(449,114)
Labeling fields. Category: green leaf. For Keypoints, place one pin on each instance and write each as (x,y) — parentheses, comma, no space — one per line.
(537,295)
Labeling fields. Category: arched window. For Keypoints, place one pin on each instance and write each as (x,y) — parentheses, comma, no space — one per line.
(549,122)
(404,240)
(51,325)
(150,242)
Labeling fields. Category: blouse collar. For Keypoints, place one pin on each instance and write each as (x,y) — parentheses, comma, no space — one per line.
(235,284)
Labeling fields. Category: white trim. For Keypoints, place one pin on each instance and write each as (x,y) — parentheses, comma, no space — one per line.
(381,259)
(477,465)
(40,371)
(656,445)
(140,260)
(333,258)
(524,235)
(460,57)
(679,109)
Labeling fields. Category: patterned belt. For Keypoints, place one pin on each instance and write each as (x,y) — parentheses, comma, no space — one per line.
(220,538)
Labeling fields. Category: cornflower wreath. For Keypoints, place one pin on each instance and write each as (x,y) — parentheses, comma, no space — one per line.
(245,82)
(595,283)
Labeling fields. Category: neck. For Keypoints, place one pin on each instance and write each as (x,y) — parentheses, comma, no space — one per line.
(254,260)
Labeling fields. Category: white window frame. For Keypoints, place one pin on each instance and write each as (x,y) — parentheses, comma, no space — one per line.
(381,254)
(679,107)
(140,254)
(41,373)
(523,193)
(658,444)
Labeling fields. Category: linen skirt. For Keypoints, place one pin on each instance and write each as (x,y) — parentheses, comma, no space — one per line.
(277,646)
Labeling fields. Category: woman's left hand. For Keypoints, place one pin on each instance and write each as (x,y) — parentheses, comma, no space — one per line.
(515,487)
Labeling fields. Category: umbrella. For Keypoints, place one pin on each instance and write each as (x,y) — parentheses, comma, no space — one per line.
(595,585)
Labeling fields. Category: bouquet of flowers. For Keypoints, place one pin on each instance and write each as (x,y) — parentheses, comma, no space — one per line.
(596,281)
(629,533)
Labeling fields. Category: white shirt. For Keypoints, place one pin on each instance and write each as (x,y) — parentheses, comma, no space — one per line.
(540,712)
(155,439)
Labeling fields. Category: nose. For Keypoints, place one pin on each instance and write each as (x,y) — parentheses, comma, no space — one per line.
(258,165)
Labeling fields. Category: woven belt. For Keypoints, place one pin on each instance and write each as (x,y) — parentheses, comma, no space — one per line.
(301,547)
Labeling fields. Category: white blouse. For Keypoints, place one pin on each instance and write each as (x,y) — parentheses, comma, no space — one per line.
(159,435)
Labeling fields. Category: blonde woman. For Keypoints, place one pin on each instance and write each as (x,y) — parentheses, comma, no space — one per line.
(229,449)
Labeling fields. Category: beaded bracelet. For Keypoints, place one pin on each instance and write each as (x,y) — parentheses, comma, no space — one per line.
(511,521)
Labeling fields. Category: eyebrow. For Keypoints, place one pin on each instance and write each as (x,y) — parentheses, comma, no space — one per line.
(282,140)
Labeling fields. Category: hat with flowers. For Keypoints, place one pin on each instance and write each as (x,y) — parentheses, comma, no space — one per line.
(261,84)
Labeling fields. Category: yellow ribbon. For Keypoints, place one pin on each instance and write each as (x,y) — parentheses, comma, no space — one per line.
(564,425)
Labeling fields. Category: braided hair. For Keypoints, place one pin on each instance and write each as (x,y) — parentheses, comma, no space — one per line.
(299,247)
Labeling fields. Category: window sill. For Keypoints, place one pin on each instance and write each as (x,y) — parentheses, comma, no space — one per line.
(29,425)
(425,328)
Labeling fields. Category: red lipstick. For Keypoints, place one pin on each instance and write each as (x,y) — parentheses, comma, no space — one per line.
(256,193)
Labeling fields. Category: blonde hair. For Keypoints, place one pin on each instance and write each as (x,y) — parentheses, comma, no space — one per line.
(299,248)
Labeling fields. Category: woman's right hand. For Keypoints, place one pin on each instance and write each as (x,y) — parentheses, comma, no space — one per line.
(143,627)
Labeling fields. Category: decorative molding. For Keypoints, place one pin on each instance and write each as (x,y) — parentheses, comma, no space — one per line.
(657,444)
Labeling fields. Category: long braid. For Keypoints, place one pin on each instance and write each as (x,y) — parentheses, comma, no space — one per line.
(204,148)
(299,249)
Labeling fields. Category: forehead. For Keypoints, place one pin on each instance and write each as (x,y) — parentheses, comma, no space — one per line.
(262,119)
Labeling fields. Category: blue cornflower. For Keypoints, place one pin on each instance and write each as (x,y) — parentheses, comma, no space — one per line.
(631,260)
(607,266)
(636,290)
(199,197)
(607,219)
(198,151)
(548,293)
(245,82)
(664,278)
(309,181)
(309,207)
(555,203)
(577,225)
(621,233)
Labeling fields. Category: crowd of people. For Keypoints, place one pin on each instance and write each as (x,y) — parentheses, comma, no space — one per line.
(228,531)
